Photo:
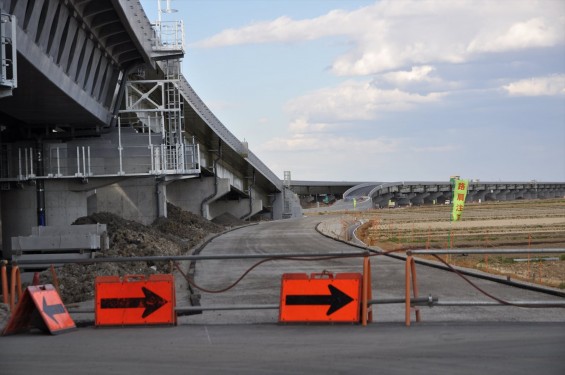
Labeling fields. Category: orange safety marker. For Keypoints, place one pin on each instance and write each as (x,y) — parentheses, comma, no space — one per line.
(411,271)
(45,300)
(320,298)
(366,310)
(135,300)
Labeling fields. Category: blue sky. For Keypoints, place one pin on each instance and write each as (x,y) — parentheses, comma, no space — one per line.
(384,90)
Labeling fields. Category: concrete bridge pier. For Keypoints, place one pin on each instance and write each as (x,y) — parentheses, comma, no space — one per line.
(242,208)
(382,200)
(519,194)
(491,195)
(195,195)
(419,199)
(432,197)
(139,199)
(444,196)
(476,196)
(504,195)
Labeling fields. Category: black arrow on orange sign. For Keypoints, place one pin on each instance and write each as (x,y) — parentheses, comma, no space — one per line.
(336,299)
(52,310)
(151,302)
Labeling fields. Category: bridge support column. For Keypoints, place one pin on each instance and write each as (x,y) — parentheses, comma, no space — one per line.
(432,197)
(478,196)
(133,199)
(194,195)
(382,201)
(419,199)
(18,215)
(161,199)
(238,208)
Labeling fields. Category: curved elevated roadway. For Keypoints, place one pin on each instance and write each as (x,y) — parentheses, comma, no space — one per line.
(83,80)
(420,192)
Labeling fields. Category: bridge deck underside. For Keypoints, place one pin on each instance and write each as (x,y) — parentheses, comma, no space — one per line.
(38,101)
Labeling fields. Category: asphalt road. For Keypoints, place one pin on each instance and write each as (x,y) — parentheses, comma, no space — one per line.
(429,348)
(462,340)
(262,285)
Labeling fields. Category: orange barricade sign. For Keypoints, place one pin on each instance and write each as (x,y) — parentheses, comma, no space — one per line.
(320,298)
(45,300)
(135,300)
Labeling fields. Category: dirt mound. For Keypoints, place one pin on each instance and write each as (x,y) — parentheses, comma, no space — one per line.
(166,236)
(228,220)
(186,226)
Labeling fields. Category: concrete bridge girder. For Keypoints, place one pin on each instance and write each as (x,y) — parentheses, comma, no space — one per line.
(63,41)
(77,54)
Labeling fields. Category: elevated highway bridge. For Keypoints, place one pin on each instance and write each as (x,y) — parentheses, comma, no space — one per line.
(379,194)
(96,115)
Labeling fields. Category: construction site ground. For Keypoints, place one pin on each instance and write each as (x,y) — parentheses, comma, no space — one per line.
(519,224)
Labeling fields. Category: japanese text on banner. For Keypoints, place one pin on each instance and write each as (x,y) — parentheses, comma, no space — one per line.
(459,195)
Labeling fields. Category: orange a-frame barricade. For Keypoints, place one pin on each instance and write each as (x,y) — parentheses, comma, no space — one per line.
(42,300)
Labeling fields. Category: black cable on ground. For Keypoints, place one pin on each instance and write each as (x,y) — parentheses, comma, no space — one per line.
(501,301)
(191,281)
(373,253)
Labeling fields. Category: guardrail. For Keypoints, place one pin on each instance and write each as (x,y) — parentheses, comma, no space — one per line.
(411,283)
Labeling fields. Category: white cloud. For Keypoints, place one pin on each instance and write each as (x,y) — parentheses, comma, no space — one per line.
(390,35)
(536,32)
(416,74)
(351,100)
(282,29)
(335,144)
(538,86)
(302,126)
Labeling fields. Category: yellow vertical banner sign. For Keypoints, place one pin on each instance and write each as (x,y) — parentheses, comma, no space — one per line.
(459,195)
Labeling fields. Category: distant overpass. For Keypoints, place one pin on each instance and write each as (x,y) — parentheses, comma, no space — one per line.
(338,188)
(95,115)
(379,194)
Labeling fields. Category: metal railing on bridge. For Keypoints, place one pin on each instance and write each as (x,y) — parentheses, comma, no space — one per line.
(64,161)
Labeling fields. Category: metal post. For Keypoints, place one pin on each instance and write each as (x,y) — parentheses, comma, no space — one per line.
(25,154)
(89,165)
(40,187)
(31,160)
(4,276)
(407,290)
(414,286)
(15,287)
(120,148)
(167,258)
(366,311)
(151,153)
(20,163)
(83,161)
(78,161)
(58,164)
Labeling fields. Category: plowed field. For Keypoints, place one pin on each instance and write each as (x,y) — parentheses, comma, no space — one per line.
(523,224)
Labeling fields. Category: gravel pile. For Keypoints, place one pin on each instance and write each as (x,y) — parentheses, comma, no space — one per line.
(174,235)
(229,220)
